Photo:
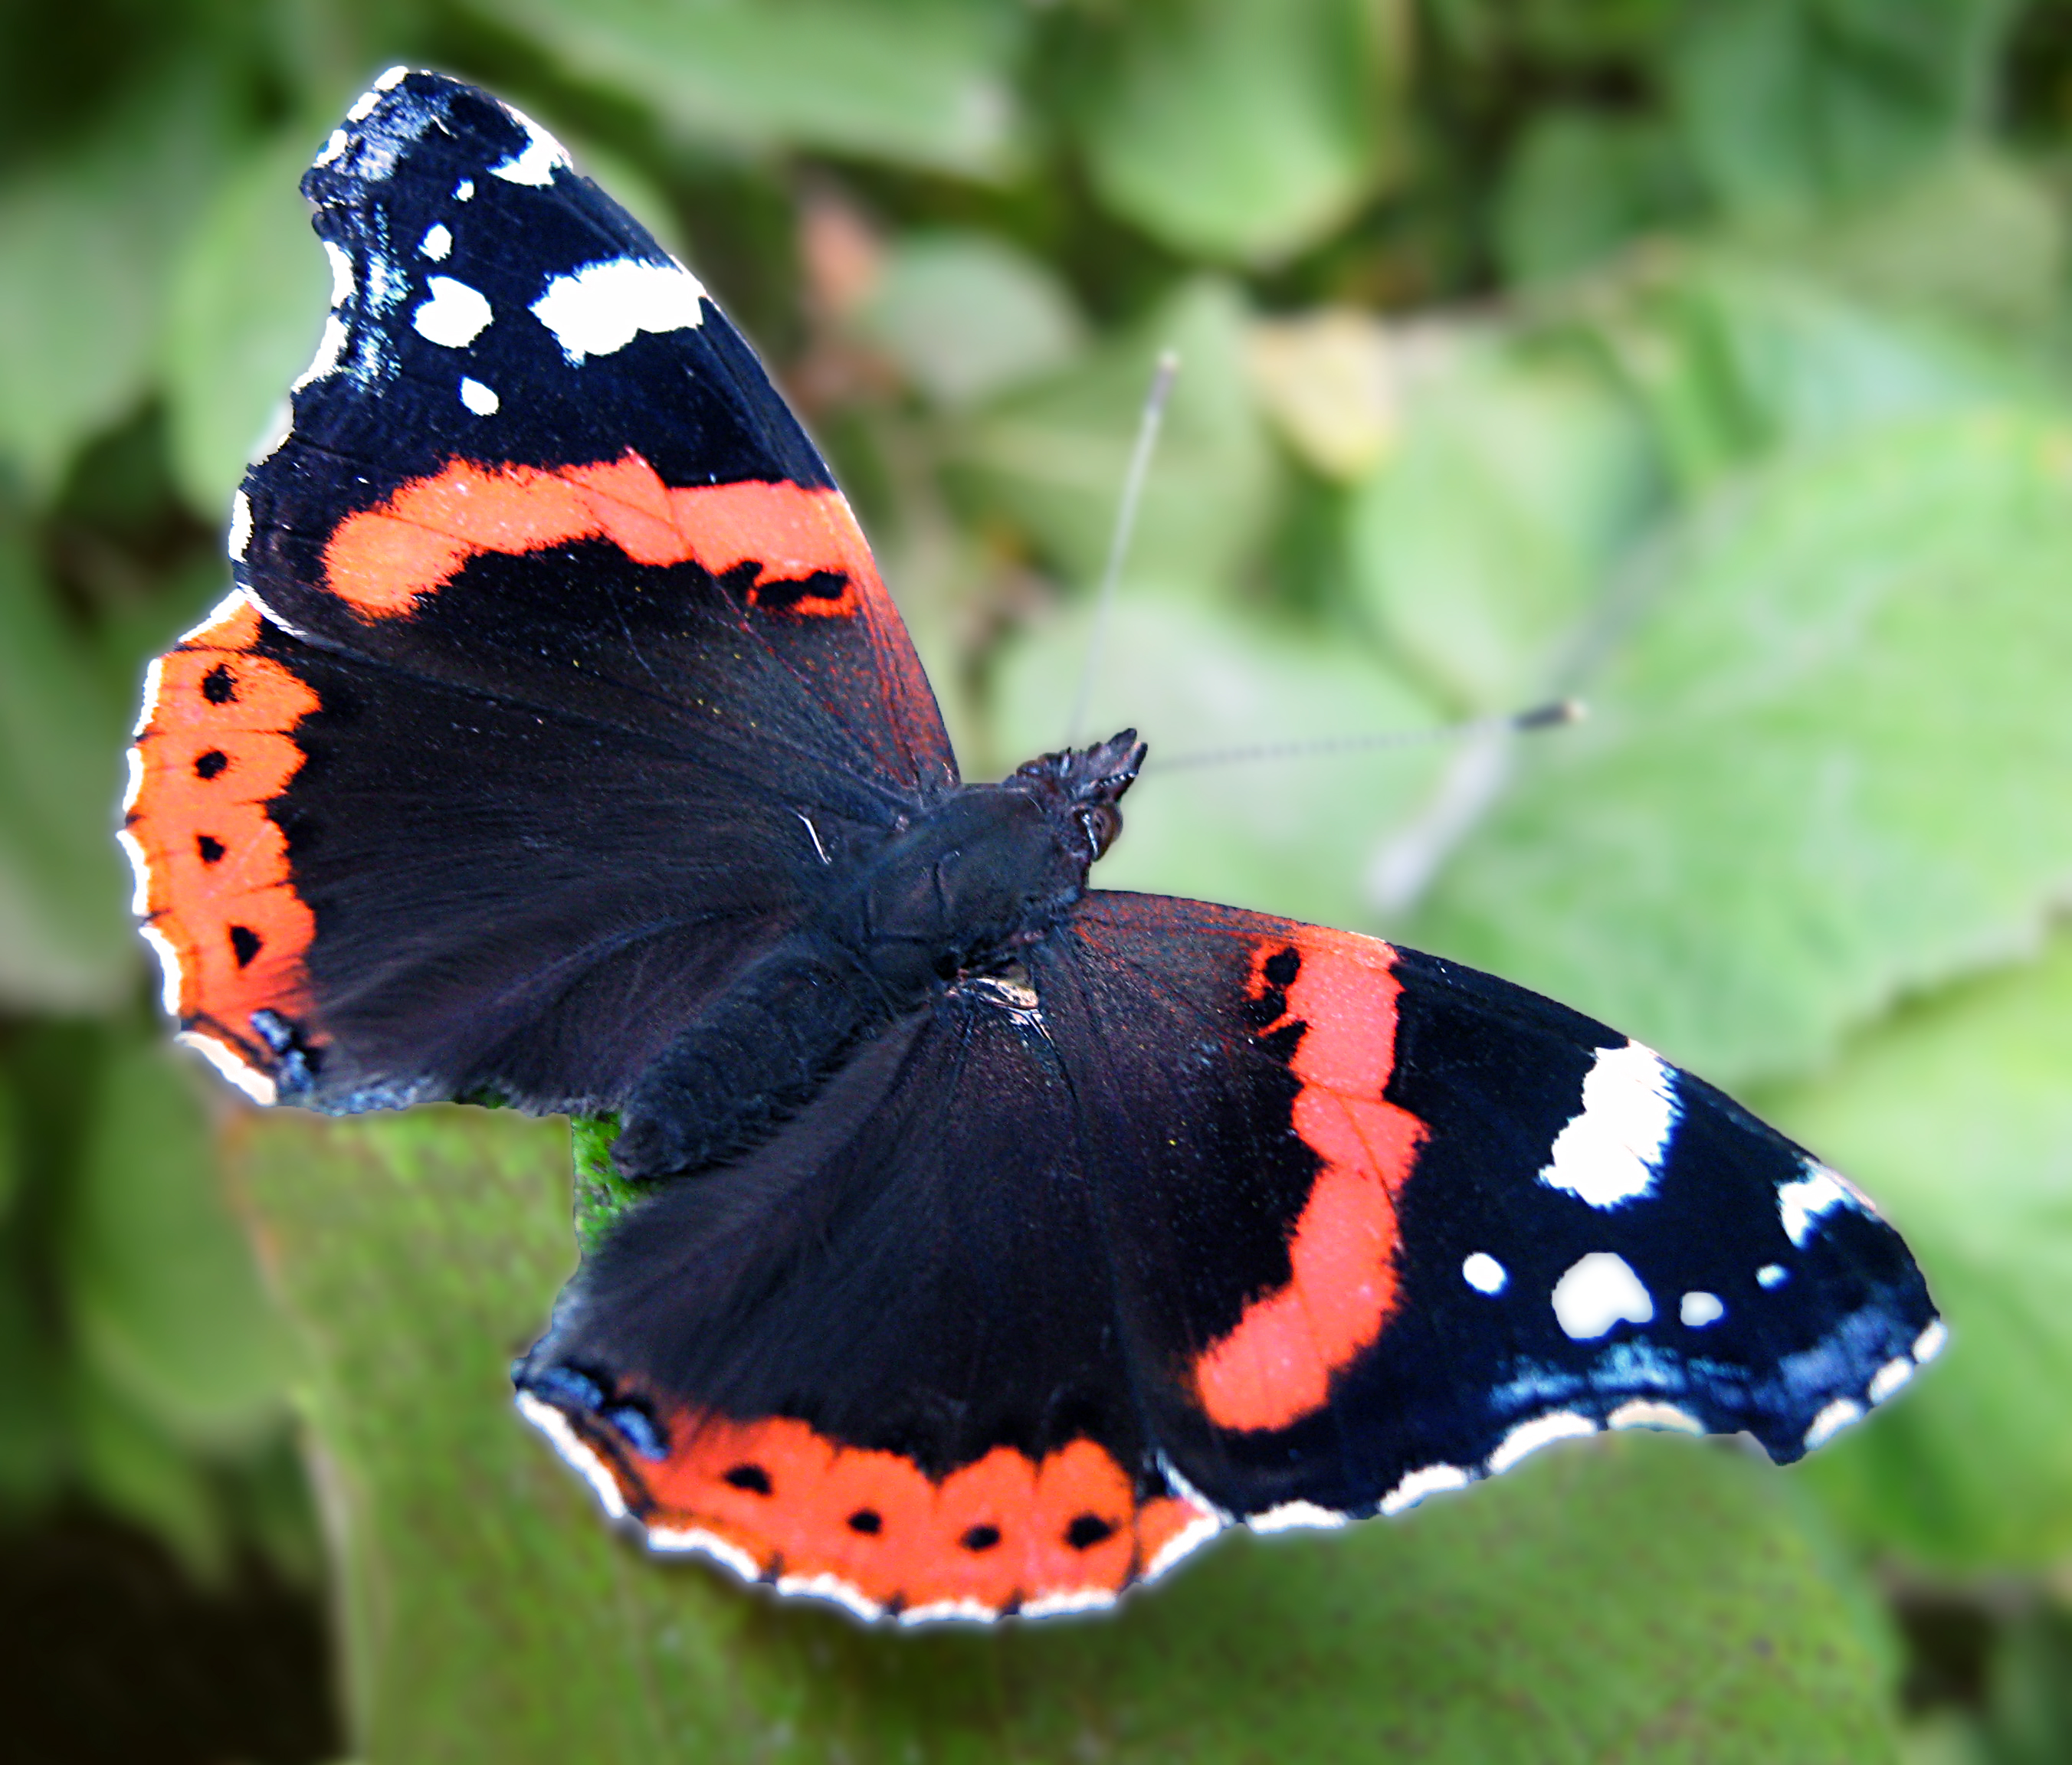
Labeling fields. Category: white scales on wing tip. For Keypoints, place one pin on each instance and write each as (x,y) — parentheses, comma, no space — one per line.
(599,308)
(1611,1151)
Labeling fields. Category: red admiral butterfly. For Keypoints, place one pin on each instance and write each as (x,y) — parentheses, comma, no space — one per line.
(990,1241)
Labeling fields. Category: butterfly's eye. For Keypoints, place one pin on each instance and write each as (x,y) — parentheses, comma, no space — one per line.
(1102,823)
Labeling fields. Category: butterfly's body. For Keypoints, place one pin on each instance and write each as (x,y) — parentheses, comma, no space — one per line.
(956,892)
(994,1239)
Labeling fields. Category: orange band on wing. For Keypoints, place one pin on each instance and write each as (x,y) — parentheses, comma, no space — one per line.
(213,881)
(782,1502)
(383,560)
(1274,1367)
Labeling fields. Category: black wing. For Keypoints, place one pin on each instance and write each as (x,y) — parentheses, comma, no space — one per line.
(557,671)
(1259,1220)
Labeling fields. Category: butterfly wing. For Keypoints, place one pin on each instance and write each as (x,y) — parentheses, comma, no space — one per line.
(877,1359)
(556,669)
(1400,1222)
(1218,1217)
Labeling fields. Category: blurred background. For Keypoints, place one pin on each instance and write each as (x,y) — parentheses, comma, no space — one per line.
(1708,361)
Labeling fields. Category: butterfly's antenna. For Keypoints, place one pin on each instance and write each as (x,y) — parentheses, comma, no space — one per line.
(1545,717)
(1125,521)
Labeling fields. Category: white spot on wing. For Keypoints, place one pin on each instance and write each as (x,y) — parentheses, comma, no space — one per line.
(169,968)
(363,105)
(329,350)
(572,1446)
(1830,1420)
(1931,1342)
(464,191)
(1541,1432)
(280,425)
(1612,1150)
(1056,1605)
(478,398)
(1700,1309)
(1430,1480)
(1889,1377)
(1771,1274)
(535,164)
(1800,1203)
(1599,1290)
(341,273)
(1482,1272)
(599,308)
(673,1540)
(437,242)
(147,707)
(233,1066)
(455,314)
(221,613)
(942,1611)
(140,866)
(134,787)
(391,78)
(240,527)
(332,148)
(1292,1514)
(832,1587)
(1189,1538)
(1650,1413)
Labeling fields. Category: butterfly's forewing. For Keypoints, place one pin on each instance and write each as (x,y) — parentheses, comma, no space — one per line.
(557,666)
(1275,1222)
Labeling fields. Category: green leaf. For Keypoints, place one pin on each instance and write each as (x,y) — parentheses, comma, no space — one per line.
(65,940)
(246,306)
(1649,1598)
(1485,536)
(923,83)
(1791,101)
(1734,358)
(1828,767)
(1052,459)
(1580,185)
(86,239)
(1243,129)
(967,315)
(163,1292)
(1957,1116)
(1280,836)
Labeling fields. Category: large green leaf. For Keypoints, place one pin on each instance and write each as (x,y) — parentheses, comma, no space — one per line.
(1791,101)
(1957,1116)
(918,82)
(1242,128)
(86,238)
(1286,835)
(1649,1598)
(1052,459)
(162,1290)
(1828,767)
(1520,476)
(65,941)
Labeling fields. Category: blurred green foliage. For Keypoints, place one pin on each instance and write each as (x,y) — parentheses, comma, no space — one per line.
(1709,361)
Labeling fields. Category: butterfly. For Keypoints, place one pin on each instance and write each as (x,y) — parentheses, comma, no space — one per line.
(982,1243)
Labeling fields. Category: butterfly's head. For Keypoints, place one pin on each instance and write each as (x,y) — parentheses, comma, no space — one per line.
(1080,786)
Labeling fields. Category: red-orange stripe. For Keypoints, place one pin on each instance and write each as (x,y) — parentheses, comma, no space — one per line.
(1276,1365)
(383,560)
(794,1517)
